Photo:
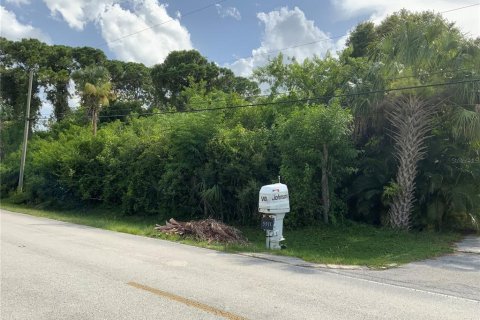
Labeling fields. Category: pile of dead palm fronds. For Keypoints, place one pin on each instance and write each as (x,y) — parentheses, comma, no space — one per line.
(209,230)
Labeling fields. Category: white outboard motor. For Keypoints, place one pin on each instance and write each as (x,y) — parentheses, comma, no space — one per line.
(273,203)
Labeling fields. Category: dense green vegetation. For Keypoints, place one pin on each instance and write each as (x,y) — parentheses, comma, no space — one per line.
(350,244)
(387,133)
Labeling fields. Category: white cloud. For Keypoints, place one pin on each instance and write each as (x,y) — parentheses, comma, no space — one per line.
(78,12)
(46,110)
(74,98)
(228,12)
(152,32)
(13,29)
(143,33)
(466,19)
(286,28)
(18,2)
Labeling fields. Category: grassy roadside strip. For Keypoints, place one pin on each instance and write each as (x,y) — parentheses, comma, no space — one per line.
(349,245)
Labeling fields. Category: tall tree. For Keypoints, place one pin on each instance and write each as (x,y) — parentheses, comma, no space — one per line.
(421,49)
(53,66)
(227,82)
(131,81)
(361,38)
(93,85)
(17,58)
(56,73)
(86,56)
(313,140)
(184,69)
(177,72)
(316,152)
(411,118)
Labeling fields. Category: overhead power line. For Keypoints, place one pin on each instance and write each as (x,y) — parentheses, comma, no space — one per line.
(293,101)
(295,46)
(164,22)
(298,91)
(317,98)
(472,5)
(126,81)
(295,91)
(268,53)
(327,39)
(262,54)
(253,55)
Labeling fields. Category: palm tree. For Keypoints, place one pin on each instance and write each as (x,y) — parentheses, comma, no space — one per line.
(411,118)
(94,87)
(415,49)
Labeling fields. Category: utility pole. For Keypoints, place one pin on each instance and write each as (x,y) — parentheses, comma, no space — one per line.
(25,132)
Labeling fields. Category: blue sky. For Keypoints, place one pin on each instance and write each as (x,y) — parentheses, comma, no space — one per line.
(236,33)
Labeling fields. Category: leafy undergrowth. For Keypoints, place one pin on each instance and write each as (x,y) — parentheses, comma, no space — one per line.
(348,245)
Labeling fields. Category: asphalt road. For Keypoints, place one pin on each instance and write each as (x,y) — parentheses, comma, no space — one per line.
(57,270)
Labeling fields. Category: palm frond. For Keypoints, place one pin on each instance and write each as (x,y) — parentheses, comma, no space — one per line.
(466,124)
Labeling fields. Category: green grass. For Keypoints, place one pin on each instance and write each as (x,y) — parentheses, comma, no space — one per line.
(351,245)
(362,245)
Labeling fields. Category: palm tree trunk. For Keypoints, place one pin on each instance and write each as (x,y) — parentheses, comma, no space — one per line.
(94,122)
(411,119)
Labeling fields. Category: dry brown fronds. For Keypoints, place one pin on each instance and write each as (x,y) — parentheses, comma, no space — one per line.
(209,230)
